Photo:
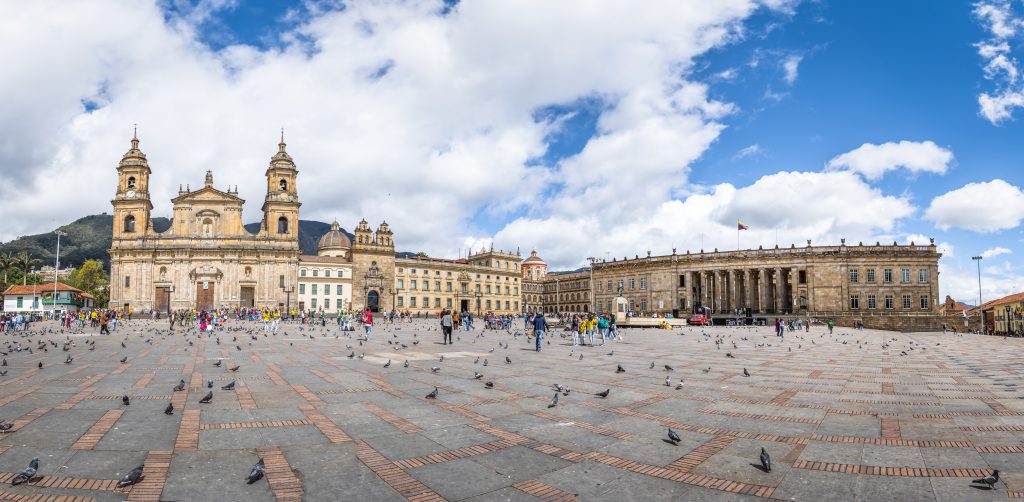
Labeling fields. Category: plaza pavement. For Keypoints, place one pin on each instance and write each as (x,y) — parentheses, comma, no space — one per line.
(844,417)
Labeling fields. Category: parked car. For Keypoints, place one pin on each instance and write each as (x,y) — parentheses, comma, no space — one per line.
(698,320)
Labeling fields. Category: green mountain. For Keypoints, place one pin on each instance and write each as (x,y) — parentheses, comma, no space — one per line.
(89,238)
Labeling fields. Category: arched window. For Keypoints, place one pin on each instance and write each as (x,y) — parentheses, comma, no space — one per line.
(282,225)
(129,224)
(131,182)
(284,185)
(207,227)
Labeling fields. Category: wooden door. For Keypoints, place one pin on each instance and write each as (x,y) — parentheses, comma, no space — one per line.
(247,296)
(161,299)
(204,295)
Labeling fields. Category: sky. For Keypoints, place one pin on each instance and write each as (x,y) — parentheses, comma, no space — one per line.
(576,128)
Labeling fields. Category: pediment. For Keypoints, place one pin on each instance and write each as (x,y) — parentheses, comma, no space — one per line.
(208,194)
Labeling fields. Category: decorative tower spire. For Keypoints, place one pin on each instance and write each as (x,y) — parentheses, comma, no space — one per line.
(281,145)
(135,136)
(209,179)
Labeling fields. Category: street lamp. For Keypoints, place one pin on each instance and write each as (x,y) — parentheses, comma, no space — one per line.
(56,267)
(981,311)
(478,296)
(288,300)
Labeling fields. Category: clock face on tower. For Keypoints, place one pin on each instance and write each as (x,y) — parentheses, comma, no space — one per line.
(131,193)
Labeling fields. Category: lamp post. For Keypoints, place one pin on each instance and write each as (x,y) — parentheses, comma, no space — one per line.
(288,300)
(478,296)
(593,301)
(56,267)
(981,311)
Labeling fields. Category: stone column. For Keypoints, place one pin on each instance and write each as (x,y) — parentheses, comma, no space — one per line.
(735,278)
(779,291)
(720,291)
(747,291)
(762,291)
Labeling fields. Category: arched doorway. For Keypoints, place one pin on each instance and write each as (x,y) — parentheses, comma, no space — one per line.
(373,301)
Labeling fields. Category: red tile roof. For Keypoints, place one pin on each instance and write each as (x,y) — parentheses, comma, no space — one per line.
(31,289)
(1014,298)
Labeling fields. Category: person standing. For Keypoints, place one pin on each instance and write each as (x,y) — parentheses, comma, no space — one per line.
(368,322)
(540,325)
(446,326)
(103,323)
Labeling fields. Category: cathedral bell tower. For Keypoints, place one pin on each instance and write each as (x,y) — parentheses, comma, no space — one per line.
(281,206)
(132,205)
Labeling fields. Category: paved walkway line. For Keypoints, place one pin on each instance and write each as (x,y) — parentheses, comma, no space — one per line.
(395,476)
(188,431)
(544,491)
(282,481)
(687,462)
(157,464)
(92,437)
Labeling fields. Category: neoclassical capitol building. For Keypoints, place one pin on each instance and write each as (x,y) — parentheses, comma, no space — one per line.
(207,258)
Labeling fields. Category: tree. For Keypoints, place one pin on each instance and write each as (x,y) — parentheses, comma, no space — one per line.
(25,262)
(7,262)
(92,278)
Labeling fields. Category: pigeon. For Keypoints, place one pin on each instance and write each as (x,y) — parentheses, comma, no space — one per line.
(745,372)
(69,359)
(477,376)
(673,437)
(218,363)
(435,369)
(124,359)
(766,461)
(27,474)
(207,398)
(4,363)
(442,359)
(707,370)
(235,368)
(554,401)
(668,381)
(125,401)
(3,373)
(229,386)
(169,410)
(652,365)
(180,387)
(351,354)
(679,385)
(209,384)
(4,427)
(507,360)
(40,365)
(489,385)
(620,369)
(133,477)
(387,364)
(604,393)
(405,364)
(668,368)
(256,473)
(485,362)
(989,480)
(433,394)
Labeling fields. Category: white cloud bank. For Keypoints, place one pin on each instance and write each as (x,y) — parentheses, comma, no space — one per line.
(873,161)
(1003,24)
(980,207)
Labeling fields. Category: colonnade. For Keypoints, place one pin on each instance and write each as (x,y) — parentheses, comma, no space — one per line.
(763,290)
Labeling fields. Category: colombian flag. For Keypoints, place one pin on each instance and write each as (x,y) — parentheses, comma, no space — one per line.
(741,226)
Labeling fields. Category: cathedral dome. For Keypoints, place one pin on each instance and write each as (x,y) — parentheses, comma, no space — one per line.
(334,239)
(534,259)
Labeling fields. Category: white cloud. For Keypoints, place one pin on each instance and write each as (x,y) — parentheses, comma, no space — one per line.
(777,207)
(381,97)
(873,161)
(749,151)
(996,251)
(981,207)
(1002,23)
(947,250)
(791,66)
(959,279)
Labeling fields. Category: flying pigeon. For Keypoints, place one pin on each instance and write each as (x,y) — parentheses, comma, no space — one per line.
(620,369)
(207,398)
(989,480)
(169,410)
(125,401)
(766,461)
(673,437)
(229,386)
(133,477)
(180,387)
(27,474)
(433,394)
(256,473)
(603,393)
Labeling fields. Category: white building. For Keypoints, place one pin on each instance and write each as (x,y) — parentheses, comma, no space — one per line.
(325,280)
(39,298)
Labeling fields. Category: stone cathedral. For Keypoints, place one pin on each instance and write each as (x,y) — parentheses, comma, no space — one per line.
(207,258)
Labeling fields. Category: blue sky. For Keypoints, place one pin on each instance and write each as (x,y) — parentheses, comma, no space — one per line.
(564,126)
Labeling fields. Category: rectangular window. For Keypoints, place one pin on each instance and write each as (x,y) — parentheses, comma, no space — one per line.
(609,286)
(507,305)
(682,281)
(600,287)
(412,284)
(302,273)
(922,275)
(488,289)
(643,283)
(437,302)
(437,286)
(448,286)
(488,305)
(517,305)
(302,289)
(327,273)
(477,288)
(448,303)
(507,289)
(412,301)
(327,289)
(280,281)
(314,289)
(906,301)
(905,275)
(21,301)
(316,272)
(803,276)
(401,284)
(339,288)
(871,276)
(924,302)
(516,289)
(426,285)
(127,281)
(871,302)
(887,276)
(401,301)
(312,303)
(854,301)
(35,302)
(853,275)
(632,283)
(426,302)
(889,302)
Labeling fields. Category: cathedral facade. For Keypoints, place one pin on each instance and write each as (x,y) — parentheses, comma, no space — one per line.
(207,258)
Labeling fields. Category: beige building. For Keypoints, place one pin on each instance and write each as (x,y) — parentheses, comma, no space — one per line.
(487,281)
(325,280)
(373,268)
(207,258)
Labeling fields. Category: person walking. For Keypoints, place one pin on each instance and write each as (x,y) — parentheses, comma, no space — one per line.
(103,323)
(446,326)
(368,322)
(540,325)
